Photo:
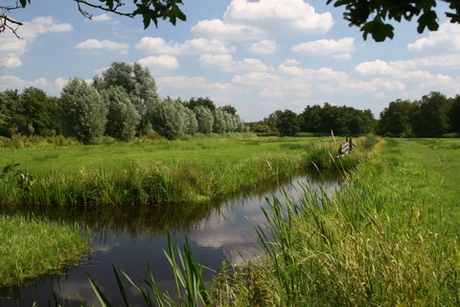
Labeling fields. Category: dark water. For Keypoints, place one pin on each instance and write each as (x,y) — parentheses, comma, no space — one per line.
(131,238)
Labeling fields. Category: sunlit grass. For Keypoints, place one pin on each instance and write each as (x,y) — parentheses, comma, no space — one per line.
(389,238)
(30,248)
(154,172)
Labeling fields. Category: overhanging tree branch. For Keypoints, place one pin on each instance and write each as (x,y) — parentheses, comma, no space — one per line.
(7,23)
(112,9)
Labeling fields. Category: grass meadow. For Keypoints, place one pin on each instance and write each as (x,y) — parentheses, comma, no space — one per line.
(159,172)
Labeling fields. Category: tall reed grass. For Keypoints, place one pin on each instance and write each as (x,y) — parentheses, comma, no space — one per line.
(386,239)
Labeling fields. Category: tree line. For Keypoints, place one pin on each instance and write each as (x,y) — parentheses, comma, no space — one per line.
(121,103)
(433,115)
(319,120)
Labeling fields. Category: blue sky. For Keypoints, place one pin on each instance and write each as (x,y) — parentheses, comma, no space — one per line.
(259,56)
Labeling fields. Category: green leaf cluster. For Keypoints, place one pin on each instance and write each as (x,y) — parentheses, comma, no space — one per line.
(372,16)
(154,10)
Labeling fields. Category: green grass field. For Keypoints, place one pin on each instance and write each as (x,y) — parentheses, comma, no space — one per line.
(121,155)
(155,172)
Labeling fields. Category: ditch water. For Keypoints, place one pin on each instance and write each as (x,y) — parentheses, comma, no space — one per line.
(130,239)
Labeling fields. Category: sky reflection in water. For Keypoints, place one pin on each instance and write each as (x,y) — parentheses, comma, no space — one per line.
(221,234)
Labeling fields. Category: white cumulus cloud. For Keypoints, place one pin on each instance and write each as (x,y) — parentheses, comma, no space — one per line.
(162,62)
(377,67)
(13,62)
(102,45)
(199,45)
(265,19)
(51,87)
(12,48)
(338,48)
(226,62)
(181,82)
(102,17)
(265,46)
(444,41)
(42,24)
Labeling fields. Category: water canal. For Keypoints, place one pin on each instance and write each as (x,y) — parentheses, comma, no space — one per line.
(131,238)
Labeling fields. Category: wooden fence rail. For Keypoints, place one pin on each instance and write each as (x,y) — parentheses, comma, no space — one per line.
(347,147)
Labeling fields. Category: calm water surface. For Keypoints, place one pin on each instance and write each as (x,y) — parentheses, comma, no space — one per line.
(132,238)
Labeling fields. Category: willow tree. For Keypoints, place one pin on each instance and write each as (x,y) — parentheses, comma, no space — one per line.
(138,84)
(122,116)
(82,112)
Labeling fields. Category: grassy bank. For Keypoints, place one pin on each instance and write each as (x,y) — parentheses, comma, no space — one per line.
(30,248)
(389,238)
(159,172)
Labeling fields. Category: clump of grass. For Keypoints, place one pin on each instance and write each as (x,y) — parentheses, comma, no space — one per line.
(325,155)
(31,248)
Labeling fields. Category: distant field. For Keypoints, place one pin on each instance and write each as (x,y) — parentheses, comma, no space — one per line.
(121,155)
(156,172)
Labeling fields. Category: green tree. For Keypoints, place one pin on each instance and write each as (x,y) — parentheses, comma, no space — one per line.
(82,112)
(434,119)
(312,119)
(288,123)
(137,82)
(396,119)
(221,121)
(454,115)
(30,113)
(38,112)
(261,128)
(272,120)
(361,122)
(200,101)
(11,109)
(122,117)
(168,119)
(204,118)
(191,124)
(333,119)
(229,109)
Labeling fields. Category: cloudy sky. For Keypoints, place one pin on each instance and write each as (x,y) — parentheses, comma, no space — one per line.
(259,56)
